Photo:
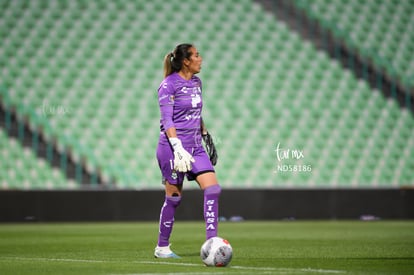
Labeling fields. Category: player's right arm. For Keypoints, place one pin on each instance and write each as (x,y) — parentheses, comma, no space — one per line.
(182,159)
(171,132)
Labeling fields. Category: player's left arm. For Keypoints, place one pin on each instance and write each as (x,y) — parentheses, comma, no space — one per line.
(209,144)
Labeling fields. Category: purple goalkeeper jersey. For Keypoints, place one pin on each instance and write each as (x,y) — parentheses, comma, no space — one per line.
(180,105)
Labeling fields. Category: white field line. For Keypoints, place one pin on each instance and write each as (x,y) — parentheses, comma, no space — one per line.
(50,260)
(254,268)
(192,273)
(243,269)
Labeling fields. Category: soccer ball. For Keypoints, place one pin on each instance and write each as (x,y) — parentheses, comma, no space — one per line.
(216,251)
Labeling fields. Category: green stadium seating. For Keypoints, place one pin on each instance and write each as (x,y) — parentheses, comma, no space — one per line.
(381,31)
(21,169)
(90,70)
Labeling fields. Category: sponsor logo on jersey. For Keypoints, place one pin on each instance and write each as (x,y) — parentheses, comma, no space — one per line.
(195,99)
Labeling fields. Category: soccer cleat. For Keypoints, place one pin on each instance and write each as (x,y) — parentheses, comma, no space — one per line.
(165,252)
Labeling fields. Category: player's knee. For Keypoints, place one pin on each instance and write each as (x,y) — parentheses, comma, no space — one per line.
(172,190)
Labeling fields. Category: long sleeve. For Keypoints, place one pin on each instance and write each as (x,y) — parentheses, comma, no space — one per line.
(166,104)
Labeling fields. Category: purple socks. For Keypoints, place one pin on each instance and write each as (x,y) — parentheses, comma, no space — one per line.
(167,219)
(211,205)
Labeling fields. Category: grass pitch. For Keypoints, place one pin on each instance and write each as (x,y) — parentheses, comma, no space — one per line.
(295,247)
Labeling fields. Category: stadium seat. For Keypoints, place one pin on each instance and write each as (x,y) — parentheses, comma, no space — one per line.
(100,64)
(381,30)
(21,169)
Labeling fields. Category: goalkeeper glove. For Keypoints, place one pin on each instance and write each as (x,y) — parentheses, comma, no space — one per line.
(182,159)
(210,148)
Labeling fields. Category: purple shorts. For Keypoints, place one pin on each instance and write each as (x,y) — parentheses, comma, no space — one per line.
(165,157)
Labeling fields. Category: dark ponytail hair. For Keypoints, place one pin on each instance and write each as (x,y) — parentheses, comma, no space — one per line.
(173,61)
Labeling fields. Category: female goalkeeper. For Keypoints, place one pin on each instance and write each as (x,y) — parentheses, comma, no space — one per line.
(180,151)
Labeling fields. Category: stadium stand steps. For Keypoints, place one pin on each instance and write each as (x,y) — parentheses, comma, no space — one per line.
(32,139)
(324,39)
